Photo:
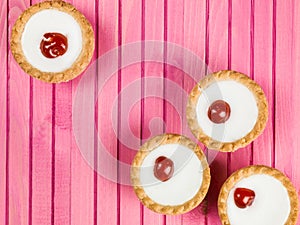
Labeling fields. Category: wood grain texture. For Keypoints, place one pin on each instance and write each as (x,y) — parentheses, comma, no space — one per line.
(263,74)
(63,137)
(62,159)
(296,69)
(107,195)
(283,59)
(287,106)
(45,179)
(194,40)
(174,31)
(3,108)
(153,13)
(42,150)
(130,16)
(83,183)
(19,130)
(239,53)
(217,59)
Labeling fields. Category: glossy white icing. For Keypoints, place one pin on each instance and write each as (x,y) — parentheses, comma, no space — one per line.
(45,21)
(243,116)
(183,185)
(271,205)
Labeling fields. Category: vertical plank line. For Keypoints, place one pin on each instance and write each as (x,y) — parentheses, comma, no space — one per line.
(7,124)
(96,117)
(165,57)
(142,90)
(53,155)
(206,55)
(119,109)
(206,35)
(70,168)
(183,74)
(274,79)
(229,32)
(229,66)
(30,151)
(252,61)
(164,222)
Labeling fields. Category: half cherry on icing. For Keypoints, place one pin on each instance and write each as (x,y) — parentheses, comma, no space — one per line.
(243,197)
(54,45)
(219,111)
(163,168)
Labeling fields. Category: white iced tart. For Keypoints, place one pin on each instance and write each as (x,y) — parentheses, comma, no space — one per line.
(258,195)
(227,110)
(170,174)
(52,41)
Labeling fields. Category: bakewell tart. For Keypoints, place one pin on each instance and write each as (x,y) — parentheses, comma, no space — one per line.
(52,41)
(170,174)
(227,110)
(258,195)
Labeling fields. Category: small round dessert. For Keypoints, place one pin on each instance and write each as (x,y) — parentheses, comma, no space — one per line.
(258,195)
(170,174)
(52,41)
(227,110)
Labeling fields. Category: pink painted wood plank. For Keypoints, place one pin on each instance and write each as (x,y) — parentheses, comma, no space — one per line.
(82,182)
(153,13)
(174,31)
(284,88)
(131,16)
(107,198)
(296,69)
(194,40)
(174,28)
(19,132)
(63,132)
(41,152)
(42,149)
(217,59)
(63,147)
(287,106)
(3,109)
(83,186)
(263,28)
(240,52)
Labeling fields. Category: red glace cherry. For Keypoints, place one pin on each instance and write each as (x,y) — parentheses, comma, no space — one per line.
(243,197)
(163,168)
(219,111)
(54,45)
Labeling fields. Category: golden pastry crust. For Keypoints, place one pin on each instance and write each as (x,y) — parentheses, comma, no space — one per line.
(135,174)
(221,76)
(251,170)
(87,46)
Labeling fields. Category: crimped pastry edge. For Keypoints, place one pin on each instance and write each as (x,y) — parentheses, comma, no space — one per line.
(251,170)
(81,62)
(135,174)
(242,142)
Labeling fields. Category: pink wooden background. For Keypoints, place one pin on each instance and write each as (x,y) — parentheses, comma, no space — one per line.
(43,177)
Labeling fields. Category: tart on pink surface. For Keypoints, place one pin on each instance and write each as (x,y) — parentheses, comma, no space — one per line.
(170,174)
(52,41)
(227,110)
(258,195)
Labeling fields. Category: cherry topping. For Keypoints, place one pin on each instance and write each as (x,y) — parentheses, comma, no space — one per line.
(163,168)
(219,111)
(243,197)
(53,45)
